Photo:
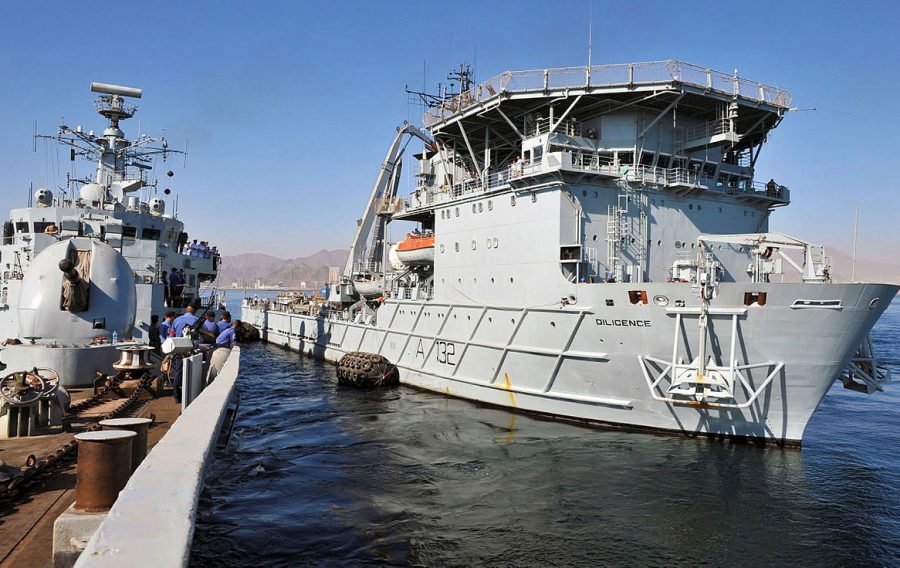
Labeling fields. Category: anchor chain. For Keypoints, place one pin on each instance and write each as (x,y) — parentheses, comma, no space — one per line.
(37,468)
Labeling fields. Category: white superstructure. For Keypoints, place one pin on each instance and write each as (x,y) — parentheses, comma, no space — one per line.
(601,252)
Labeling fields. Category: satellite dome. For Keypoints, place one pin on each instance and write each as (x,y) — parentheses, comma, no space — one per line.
(92,192)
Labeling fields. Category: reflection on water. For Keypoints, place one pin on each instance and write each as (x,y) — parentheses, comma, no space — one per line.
(318,474)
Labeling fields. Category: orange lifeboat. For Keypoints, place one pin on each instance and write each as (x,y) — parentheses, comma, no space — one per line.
(416,249)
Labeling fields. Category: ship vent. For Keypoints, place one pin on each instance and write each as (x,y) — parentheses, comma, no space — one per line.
(751,298)
(637,296)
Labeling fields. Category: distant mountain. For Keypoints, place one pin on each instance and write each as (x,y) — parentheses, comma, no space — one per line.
(246,269)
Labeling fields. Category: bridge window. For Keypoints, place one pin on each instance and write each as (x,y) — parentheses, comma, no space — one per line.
(151,234)
(129,231)
(626,158)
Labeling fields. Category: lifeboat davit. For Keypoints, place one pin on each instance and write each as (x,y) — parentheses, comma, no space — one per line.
(416,250)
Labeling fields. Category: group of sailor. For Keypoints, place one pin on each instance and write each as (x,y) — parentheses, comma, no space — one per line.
(221,333)
(202,249)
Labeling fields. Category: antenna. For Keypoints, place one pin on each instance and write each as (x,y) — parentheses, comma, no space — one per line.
(590,31)
(855,235)
(34,136)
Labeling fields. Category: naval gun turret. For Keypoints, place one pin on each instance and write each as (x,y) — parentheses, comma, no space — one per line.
(77,296)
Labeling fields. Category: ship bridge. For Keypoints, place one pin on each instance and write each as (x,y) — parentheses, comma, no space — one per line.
(668,124)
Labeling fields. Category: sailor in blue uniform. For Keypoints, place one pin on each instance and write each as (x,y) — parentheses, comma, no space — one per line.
(228,338)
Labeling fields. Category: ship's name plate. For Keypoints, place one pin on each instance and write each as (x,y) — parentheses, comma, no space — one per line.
(623,323)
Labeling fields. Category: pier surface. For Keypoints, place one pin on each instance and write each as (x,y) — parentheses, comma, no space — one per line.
(26,524)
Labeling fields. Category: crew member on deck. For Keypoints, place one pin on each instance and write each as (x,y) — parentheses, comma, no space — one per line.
(225,322)
(209,331)
(165,327)
(187,319)
(51,229)
(228,338)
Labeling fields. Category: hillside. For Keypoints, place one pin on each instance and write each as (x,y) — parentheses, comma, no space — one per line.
(246,269)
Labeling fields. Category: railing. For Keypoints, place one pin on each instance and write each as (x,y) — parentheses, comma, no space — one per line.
(705,130)
(609,76)
(590,161)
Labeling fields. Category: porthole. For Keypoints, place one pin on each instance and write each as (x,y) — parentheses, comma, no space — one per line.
(753,213)
(692,246)
(456,246)
(457,211)
(473,244)
(720,209)
(490,205)
(490,319)
(584,193)
(745,212)
(659,243)
(442,248)
(632,240)
(488,242)
(474,281)
(512,200)
(511,280)
(512,321)
(534,197)
(468,317)
(690,206)
(594,238)
(596,195)
(459,280)
(474,210)
(552,324)
(495,242)
(699,207)
(492,280)
(480,207)
(874,303)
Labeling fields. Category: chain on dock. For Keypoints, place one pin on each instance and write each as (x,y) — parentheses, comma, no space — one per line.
(37,468)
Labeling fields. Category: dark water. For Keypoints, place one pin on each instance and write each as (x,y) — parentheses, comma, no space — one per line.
(321,475)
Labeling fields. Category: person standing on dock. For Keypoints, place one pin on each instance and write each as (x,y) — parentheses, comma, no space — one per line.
(228,338)
(224,323)
(165,327)
(209,330)
(187,319)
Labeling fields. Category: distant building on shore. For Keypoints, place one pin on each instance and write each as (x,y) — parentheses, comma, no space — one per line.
(334,274)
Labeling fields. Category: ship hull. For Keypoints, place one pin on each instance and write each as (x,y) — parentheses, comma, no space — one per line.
(595,362)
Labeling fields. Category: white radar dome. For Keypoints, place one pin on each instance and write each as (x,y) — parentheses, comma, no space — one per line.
(107,306)
(92,192)
(157,206)
(44,197)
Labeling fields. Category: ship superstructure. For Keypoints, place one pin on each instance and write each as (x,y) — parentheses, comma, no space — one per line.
(592,243)
(120,205)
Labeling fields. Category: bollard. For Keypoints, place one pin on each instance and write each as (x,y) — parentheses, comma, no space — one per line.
(139,444)
(104,466)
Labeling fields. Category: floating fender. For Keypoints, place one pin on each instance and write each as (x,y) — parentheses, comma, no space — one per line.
(364,370)
(246,333)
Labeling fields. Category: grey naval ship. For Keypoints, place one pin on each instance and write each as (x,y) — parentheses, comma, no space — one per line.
(591,243)
(86,267)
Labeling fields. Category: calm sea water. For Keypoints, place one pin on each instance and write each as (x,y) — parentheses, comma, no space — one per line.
(321,475)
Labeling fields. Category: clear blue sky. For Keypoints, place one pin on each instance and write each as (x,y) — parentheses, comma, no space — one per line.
(289,106)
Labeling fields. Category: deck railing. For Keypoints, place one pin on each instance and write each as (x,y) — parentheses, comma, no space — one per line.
(589,161)
(627,74)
